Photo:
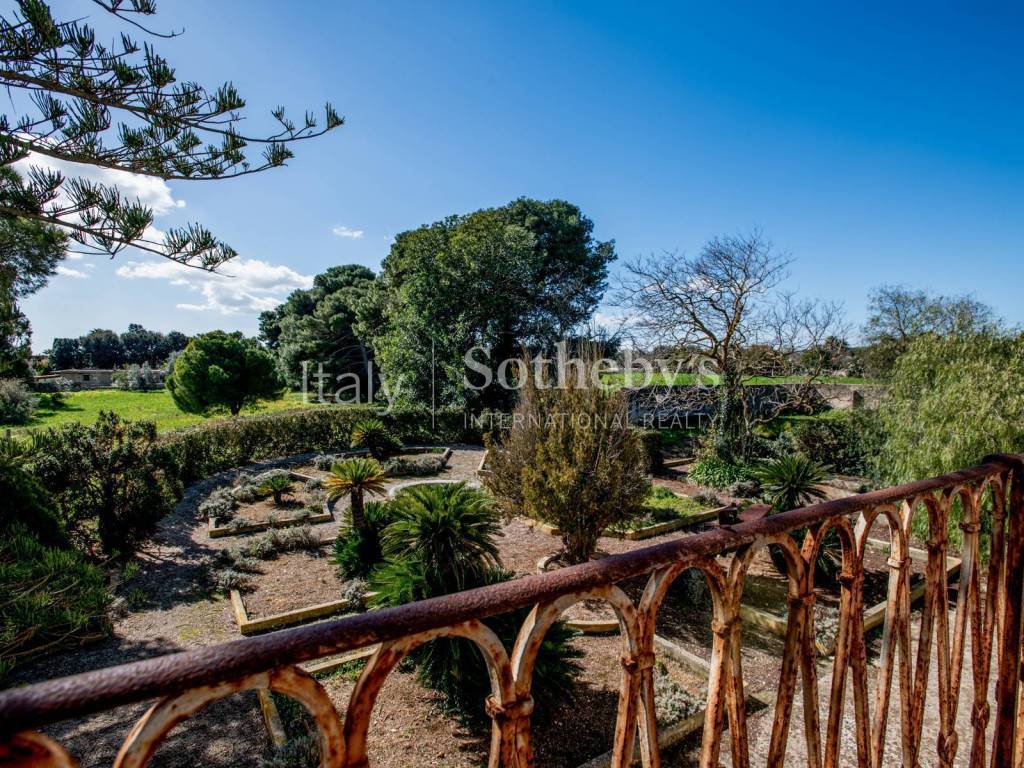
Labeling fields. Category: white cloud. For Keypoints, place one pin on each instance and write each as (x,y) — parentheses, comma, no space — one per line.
(69,272)
(247,286)
(342,231)
(150,191)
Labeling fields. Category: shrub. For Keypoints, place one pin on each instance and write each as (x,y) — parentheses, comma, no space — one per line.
(671,701)
(219,504)
(423,466)
(442,541)
(358,551)
(109,472)
(17,403)
(355,477)
(25,500)
(227,579)
(138,378)
(841,441)
(375,437)
(713,472)
(52,598)
(324,461)
(277,486)
(204,449)
(300,538)
(572,460)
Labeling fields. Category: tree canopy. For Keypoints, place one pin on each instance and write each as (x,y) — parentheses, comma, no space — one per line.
(102,348)
(120,106)
(29,254)
(223,371)
(317,325)
(525,274)
(897,315)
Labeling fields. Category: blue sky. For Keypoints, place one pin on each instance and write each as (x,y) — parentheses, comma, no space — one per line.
(874,144)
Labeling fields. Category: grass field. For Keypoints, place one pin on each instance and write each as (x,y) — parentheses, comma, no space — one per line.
(684,379)
(138,406)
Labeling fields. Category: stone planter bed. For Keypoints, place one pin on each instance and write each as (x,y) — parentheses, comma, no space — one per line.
(264,514)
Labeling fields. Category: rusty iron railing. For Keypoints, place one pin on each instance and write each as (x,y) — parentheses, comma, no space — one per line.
(987,617)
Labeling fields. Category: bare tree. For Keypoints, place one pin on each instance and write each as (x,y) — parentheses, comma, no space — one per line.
(723,306)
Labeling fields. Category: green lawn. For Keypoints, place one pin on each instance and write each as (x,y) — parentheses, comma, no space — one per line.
(683,379)
(662,506)
(149,406)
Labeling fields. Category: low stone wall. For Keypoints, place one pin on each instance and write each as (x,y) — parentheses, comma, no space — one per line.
(694,406)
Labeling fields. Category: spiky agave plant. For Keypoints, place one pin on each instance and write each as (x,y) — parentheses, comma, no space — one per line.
(794,481)
(442,540)
(355,477)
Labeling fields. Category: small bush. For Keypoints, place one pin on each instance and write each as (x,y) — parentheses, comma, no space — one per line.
(300,538)
(672,702)
(219,504)
(712,472)
(138,378)
(260,548)
(843,442)
(423,466)
(227,579)
(324,461)
(276,486)
(17,403)
(358,551)
(374,436)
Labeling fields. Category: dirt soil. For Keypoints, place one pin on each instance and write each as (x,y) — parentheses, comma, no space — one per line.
(183,611)
(263,510)
(292,581)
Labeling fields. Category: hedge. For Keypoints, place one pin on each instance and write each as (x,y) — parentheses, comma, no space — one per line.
(196,452)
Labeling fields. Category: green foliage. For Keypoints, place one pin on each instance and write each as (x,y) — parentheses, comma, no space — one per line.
(17,403)
(26,503)
(29,255)
(712,472)
(120,105)
(222,371)
(951,402)
(661,506)
(499,278)
(374,436)
(137,377)
(848,442)
(572,460)
(358,551)
(276,486)
(791,481)
(111,473)
(422,466)
(355,477)
(316,326)
(442,541)
(52,598)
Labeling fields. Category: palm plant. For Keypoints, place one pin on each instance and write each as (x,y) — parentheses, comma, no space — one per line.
(794,481)
(355,477)
(373,435)
(358,551)
(276,486)
(791,481)
(442,540)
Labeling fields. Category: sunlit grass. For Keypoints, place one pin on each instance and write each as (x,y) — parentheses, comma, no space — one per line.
(155,406)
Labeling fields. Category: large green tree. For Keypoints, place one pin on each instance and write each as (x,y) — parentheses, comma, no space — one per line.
(220,371)
(29,254)
(120,106)
(522,275)
(317,326)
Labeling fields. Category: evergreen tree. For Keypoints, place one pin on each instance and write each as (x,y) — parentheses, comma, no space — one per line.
(120,106)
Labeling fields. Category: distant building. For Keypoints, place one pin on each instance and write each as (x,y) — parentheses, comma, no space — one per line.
(82,378)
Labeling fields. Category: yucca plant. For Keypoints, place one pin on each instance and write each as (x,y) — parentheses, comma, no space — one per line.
(794,481)
(443,541)
(355,477)
(374,436)
(276,486)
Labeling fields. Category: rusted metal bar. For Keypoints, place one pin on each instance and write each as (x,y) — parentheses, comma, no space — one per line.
(183,682)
